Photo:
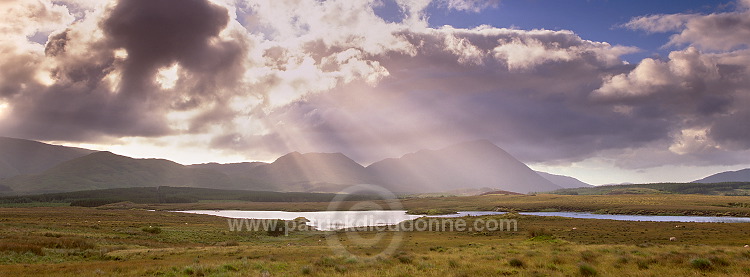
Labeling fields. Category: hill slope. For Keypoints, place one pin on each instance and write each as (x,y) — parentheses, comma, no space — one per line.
(729,188)
(314,172)
(563,181)
(103,170)
(728,176)
(20,156)
(165,194)
(475,164)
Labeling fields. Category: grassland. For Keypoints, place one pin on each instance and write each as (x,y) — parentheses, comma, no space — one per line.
(728,189)
(78,241)
(643,204)
(166,194)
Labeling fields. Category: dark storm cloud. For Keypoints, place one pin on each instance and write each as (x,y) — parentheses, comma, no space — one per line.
(156,33)
(83,103)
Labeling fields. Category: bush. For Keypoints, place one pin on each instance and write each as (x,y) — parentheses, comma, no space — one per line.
(701,264)
(515,262)
(276,227)
(542,233)
(586,270)
(453,264)
(404,258)
(588,256)
(437,249)
(152,230)
(66,243)
(228,243)
(718,261)
(21,248)
(92,202)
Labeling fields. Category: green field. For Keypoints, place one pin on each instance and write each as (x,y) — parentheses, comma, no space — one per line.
(728,189)
(644,204)
(130,241)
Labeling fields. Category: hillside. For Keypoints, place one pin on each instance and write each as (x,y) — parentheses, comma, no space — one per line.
(165,194)
(563,181)
(728,176)
(230,168)
(315,172)
(20,156)
(475,164)
(102,170)
(465,166)
(730,189)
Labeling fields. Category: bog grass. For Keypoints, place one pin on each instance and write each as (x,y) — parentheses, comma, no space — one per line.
(642,204)
(77,241)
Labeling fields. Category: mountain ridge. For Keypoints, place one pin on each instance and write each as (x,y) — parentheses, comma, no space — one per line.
(473,164)
(563,181)
(467,165)
(103,169)
(21,156)
(742,175)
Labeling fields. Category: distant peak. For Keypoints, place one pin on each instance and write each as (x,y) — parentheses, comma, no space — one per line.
(103,153)
(476,144)
(483,142)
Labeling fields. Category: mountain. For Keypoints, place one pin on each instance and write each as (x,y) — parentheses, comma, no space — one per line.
(103,170)
(230,168)
(20,156)
(474,164)
(311,172)
(728,176)
(38,167)
(563,181)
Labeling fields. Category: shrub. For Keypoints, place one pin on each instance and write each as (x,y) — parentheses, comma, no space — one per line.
(453,264)
(229,267)
(228,243)
(701,264)
(66,243)
(404,258)
(276,227)
(515,262)
(21,248)
(718,261)
(437,249)
(588,256)
(540,234)
(92,202)
(586,270)
(642,264)
(152,230)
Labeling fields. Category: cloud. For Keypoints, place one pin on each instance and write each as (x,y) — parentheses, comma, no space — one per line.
(700,91)
(660,23)
(261,78)
(470,5)
(101,71)
(716,31)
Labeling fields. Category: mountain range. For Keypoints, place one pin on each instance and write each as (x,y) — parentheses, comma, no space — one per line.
(20,156)
(34,167)
(728,176)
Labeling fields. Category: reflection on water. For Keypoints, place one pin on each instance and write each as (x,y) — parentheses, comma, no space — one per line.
(331,220)
(326,220)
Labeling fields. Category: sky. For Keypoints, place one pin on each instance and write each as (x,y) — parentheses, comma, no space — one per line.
(607,91)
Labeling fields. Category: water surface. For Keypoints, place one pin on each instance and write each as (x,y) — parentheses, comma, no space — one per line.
(331,220)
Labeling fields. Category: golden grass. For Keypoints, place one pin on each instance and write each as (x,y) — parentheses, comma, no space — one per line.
(75,241)
(650,204)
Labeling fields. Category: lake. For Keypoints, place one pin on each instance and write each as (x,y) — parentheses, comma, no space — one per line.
(331,220)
